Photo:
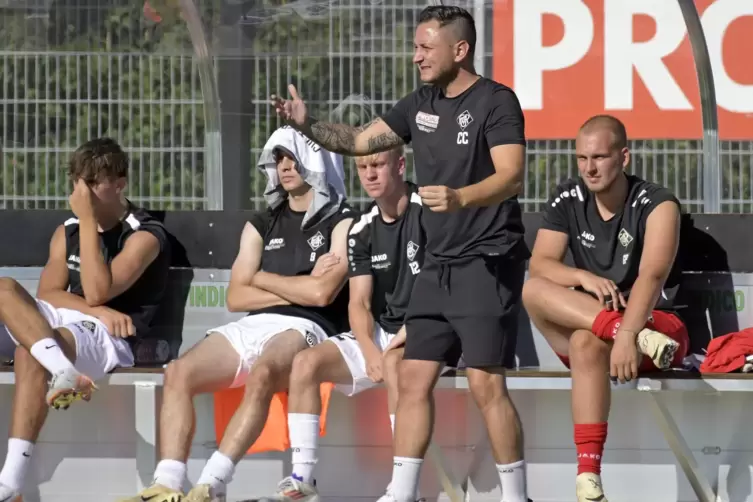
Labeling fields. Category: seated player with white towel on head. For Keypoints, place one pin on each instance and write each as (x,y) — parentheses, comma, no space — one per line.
(385,254)
(290,276)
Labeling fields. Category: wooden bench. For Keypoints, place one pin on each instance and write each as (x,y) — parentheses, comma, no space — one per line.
(147,381)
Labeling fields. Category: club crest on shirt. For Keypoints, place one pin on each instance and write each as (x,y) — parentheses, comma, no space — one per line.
(89,325)
(625,238)
(464,120)
(316,241)
(412,250)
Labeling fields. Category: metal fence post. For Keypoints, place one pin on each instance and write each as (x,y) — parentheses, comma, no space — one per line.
(711,172)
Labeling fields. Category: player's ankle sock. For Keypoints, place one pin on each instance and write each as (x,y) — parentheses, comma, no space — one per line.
(304,438)
(217,473)
(589,444)
(512,478)
(405,474)
(16,463)
(392,422)
(51,356)
(606,324)
(170,473)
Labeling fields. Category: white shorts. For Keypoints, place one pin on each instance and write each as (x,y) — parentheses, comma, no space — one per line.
(353,356)
(249,335)
(97,352)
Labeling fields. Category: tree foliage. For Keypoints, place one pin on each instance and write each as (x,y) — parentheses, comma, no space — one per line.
(102,67)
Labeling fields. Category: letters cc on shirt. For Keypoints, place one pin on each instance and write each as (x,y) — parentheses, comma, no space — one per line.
(464,120)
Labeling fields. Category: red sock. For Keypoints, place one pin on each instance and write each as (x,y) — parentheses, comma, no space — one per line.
(606,324)
(589,443)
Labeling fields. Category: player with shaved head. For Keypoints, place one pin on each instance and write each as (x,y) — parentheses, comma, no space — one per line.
(468,139)
(613,312)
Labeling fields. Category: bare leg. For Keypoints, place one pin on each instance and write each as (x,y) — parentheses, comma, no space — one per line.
(489,389)
(29,410)
(565,318)
(269,374)
(19,313)
(29,406)
(589,367)
(390,372)
(312,367)
(414,418)
(209,366)
(559,305)
(414,424)
(323,363)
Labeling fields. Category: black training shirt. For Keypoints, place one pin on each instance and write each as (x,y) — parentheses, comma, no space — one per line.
(141,301)
(451,140)
(610,249)
(290,251)
(393,254)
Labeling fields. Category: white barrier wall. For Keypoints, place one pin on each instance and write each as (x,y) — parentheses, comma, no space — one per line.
(87,454)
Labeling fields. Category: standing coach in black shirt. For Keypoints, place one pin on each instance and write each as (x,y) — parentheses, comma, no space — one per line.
(467,133)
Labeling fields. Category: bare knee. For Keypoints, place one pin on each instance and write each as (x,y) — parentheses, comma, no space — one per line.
(416,379)
(487,387)
(533,292)
(180,376)
(587,350)
(307,366)
(263,380)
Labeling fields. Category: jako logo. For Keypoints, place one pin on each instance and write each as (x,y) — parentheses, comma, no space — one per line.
(587,236)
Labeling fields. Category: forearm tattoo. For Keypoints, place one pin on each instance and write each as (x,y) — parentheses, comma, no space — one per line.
(383,142)
(337,138)
(341,138)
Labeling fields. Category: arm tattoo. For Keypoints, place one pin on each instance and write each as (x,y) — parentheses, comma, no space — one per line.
(337,138)
(341,138)
(383,142)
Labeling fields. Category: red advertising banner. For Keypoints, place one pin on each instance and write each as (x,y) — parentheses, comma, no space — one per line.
(570,59)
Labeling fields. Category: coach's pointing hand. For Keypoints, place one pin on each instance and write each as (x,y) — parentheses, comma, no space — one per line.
(440,199)
(291,110)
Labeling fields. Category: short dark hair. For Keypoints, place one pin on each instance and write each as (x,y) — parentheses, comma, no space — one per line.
(609,122)
(460,19)
(97,160)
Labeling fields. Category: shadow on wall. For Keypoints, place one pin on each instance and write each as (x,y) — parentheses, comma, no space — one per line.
(708,291)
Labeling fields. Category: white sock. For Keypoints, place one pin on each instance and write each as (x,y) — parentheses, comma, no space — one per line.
(405,474)
(170,473)
(16,463)
(512,477)
(392,422)
(217,473)
(51,356)
(304,439)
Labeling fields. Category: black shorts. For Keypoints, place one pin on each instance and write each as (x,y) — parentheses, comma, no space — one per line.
(470,307)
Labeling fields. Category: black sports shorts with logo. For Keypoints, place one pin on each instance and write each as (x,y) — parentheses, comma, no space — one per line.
(470,306)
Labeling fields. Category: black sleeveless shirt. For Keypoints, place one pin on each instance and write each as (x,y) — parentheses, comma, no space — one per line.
(142,299)
(290,251)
